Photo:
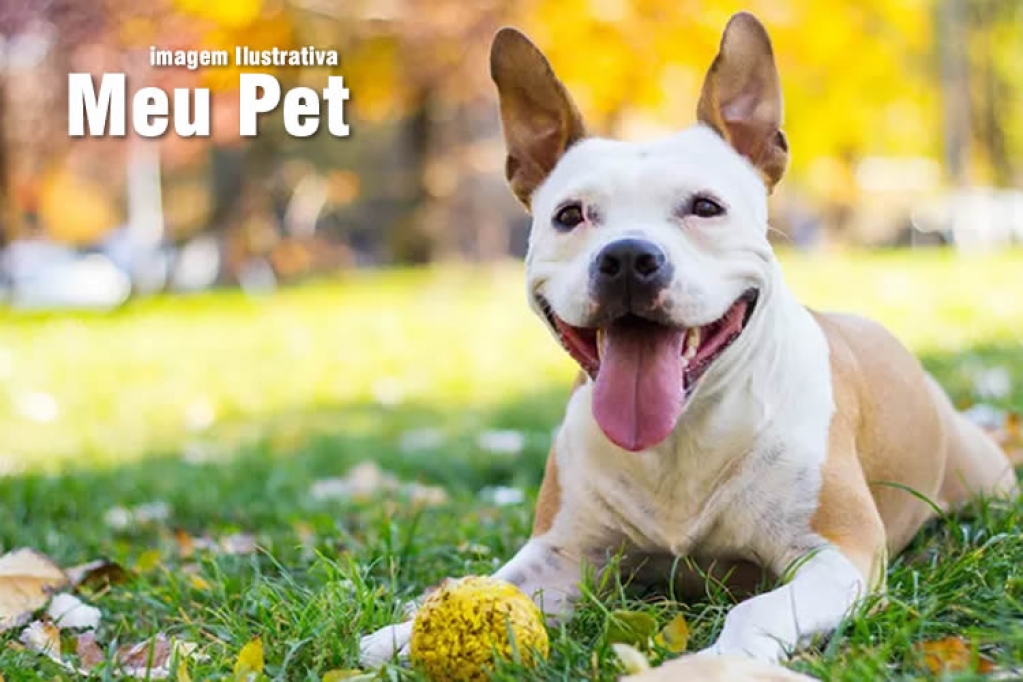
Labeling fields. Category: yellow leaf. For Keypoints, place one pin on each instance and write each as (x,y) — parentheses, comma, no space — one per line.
(198,582)
(335,675)
(148,561)
(27,579)
(250,660)
(632,660)
(950,655)
(183,675)
(674,636)
(631,627)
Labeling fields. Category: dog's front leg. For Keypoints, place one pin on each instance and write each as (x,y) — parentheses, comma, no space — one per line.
(826,582)
(770,626)
(542,570)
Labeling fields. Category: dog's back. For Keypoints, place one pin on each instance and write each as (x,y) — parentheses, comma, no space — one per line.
(909,437)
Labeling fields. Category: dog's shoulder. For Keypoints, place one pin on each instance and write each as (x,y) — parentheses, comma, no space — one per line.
(865,355)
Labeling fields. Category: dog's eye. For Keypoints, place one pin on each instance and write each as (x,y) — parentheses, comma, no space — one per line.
(568,216)
(705,207)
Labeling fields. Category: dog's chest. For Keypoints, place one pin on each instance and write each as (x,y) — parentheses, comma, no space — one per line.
(730,488)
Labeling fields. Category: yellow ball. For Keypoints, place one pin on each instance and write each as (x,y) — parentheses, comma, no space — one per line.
(465,624)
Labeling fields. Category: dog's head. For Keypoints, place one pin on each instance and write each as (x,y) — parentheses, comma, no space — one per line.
(647,260)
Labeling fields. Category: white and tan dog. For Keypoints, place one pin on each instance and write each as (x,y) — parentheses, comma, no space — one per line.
(717,419)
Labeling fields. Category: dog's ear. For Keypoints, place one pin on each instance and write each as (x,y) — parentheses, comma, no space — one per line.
(539,119)
(742,100)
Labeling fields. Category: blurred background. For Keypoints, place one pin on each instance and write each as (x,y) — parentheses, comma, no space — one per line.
(381,270)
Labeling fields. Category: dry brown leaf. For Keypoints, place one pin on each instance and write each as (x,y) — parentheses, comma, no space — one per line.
(146,660)
(89,653)
(43,638)
(250,660)
(674,636)
(152,657)
(97,574)
(186,546)
(27,580)
(951,655)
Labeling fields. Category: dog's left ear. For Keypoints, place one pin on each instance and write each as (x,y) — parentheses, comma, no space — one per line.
(742,100)
(540,120)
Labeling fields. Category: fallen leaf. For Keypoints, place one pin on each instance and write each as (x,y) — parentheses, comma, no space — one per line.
(186,546)
(95,574)
(631,627)
(632,660)
(674,637)
(250,661)
(150,658)
(335,675)
(69,612)
(43,638)
(27,579)
(198,582)
(148,561)
(951,655)
(88,651)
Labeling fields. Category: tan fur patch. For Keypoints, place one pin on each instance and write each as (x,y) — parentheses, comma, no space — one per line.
(548,502)
(893,432)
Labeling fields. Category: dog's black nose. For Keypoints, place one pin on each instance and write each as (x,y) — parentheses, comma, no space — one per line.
(629,273)
(635,259)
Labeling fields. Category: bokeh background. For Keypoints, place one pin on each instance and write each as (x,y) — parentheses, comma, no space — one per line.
(190,296)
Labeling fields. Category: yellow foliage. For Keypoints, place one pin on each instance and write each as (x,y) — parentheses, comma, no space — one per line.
(231,13)
(249,664)
(855,73)
(75,210)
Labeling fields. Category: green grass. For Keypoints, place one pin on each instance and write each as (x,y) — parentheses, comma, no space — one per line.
(228,409)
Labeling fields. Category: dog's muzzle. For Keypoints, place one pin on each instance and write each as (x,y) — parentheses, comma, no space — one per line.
(630,276)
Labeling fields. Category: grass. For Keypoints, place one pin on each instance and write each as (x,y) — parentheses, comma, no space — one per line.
(228,409)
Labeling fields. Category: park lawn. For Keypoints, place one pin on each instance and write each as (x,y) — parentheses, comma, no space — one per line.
(227,410)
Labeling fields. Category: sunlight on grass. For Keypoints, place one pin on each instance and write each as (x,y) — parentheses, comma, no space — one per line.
(90,389)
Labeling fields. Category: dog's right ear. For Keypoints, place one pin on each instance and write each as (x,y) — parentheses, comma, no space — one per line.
(539,119)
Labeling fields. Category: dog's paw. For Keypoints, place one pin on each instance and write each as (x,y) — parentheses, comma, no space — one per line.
(382,645)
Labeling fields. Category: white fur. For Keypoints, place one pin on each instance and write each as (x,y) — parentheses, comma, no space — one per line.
(739,477)
(770,626)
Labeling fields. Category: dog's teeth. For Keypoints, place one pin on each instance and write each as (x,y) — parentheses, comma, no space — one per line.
(600,344)
(692,343)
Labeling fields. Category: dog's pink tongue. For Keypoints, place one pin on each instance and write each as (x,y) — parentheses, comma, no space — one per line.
(639,392)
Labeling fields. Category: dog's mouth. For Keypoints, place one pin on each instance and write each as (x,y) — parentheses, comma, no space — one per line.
(645,371)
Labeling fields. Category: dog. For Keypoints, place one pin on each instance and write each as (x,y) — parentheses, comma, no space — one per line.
(716,420)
